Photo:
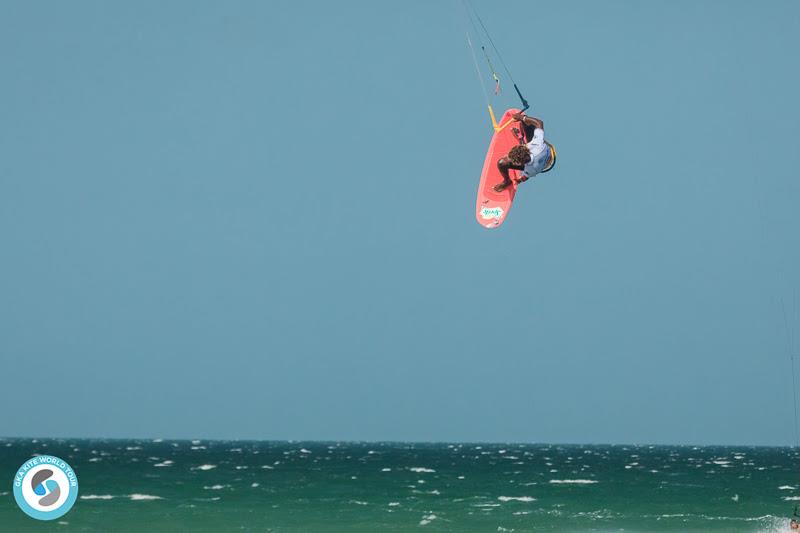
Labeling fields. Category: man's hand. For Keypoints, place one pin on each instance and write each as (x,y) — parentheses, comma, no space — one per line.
(528,121)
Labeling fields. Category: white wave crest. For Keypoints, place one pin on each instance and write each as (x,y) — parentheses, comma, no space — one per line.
(427,519)
(516,498)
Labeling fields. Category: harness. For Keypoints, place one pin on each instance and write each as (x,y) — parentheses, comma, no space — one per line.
(552,158)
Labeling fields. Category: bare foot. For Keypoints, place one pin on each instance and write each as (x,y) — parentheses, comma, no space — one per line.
(500,187)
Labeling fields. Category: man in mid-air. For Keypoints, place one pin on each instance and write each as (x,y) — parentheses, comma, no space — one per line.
(530,159)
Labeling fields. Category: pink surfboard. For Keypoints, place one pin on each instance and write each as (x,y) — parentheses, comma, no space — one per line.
(492,207)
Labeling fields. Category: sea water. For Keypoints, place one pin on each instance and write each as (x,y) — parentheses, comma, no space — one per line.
(164,485)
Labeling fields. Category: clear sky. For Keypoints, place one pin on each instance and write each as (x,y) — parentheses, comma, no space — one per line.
(256,220)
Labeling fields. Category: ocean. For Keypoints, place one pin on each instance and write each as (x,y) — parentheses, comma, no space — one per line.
(166,485)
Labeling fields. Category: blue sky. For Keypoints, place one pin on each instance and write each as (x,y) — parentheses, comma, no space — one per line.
(256,220)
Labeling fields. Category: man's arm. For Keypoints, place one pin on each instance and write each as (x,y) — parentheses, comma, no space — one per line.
(529,121)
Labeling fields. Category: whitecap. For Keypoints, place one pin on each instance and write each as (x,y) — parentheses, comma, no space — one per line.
(144,497)
(97,497)
(427,519)
(786,487)
(164,463)
(215,487)
(254,485)
(516,498)
(205,467)
(422,469)
(573,481)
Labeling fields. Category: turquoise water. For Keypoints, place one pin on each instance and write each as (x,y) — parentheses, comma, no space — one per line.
(144,485)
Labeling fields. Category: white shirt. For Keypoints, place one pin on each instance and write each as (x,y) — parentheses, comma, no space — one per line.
(540,154)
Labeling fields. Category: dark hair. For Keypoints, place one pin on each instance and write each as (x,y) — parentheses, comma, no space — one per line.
(519,155)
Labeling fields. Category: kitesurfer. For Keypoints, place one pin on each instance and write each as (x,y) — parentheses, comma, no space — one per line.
(530,158)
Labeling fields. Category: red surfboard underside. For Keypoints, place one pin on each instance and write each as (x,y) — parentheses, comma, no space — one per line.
(492,207)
